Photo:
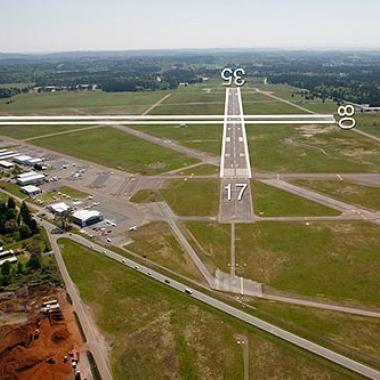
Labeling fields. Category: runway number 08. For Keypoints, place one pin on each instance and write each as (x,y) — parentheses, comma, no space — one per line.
(241,186)
(346,113)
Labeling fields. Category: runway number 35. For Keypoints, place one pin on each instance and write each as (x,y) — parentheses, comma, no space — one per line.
(239,186)
(233,76)
(346,113)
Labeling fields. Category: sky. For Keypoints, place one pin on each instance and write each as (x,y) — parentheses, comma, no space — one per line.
(70,25)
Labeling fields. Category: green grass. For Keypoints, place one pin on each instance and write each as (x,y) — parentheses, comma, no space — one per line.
(289,93)
(146,196)
(53,196)
(206,169)
(156,242)
(351,335)
(90,102)
(311,148)
(212,242)
(189,109)
(205,138)
(346,191)
(28,131)
(155,331)
(192,197)
(270,201)
(117,149)
(368,122)
(332,260)
(12,188)
(16,85)
(259,104)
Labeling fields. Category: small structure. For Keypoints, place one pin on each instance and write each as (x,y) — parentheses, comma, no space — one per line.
(22,159)
(33,161)
(32,179)
(31,190)
(6,164)
(85,218)
(7,256)
(59,208)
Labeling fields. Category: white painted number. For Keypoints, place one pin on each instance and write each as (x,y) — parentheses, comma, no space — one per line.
(229,76)
(239,186)
(242,186)
(229,191)
(346,113)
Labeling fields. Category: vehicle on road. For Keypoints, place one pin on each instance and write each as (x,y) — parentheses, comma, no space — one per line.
(167,281)
(137,267)
(188,291)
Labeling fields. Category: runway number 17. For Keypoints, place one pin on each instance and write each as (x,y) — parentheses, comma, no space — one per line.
(240,187)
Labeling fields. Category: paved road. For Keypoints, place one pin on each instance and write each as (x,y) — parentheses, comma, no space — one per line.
(204,157)
(254,321)
(93,337)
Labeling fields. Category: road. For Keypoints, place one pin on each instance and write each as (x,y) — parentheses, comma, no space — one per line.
(215,303)
(94,340)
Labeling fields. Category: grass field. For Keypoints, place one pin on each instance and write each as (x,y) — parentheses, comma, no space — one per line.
(336,261)
(146,196)
(12,188)
(199,99)
(205,138)
(116,149)
(206,169)
(311,148)
(152,329)
(270,201)
(351,335)
(212,242)
(291,94)
(259,104)
(156,242)
(59,195)
(189,109)
(368,122)
(85,102)
(28,131)
(350,192)
(192,197)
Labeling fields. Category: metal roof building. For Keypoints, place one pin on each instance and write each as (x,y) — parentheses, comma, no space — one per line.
(85,218)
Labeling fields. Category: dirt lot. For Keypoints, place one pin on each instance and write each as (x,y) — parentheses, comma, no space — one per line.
(35,348)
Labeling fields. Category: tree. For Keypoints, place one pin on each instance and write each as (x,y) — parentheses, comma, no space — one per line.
(6,268)
(28,219)
(11,203)
(24,232)
(34,262)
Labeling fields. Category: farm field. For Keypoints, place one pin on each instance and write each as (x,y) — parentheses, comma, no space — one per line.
(176,328)
(116,149)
